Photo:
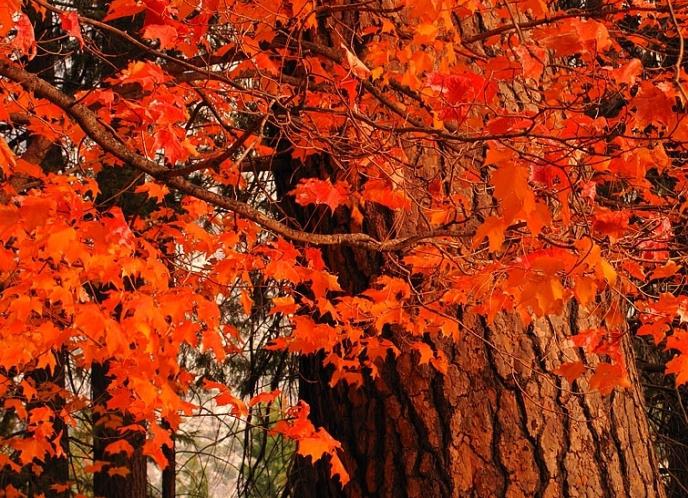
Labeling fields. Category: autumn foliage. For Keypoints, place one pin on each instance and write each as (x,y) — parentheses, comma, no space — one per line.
(561,137)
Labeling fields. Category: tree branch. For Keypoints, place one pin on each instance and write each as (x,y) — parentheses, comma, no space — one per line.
(105,138)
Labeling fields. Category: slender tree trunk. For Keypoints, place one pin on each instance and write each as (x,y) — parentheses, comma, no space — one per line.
(666,405)
(128,480)
(53,480)
(169,473)
(132,481)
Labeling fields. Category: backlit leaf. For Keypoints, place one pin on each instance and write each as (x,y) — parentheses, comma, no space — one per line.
(70,23)
(316,191)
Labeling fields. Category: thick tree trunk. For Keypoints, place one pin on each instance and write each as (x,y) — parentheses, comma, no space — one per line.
(499,423)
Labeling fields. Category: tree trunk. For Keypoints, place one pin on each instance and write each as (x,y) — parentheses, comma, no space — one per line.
(49,478)
(54,477)
(666,405)
(128,480)
(499,423)
(169,473)
(132,481)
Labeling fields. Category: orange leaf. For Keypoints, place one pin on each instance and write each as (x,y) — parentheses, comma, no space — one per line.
(380,192)
(425,351)
(70,23)
(7,159)
(337,469)
(317,444)
(666,271)
(118,471)
(266,397)
(571,371)
(167,35)
(96,466)
(60,242)
(119,446)
(124,8)
(493,229)
(611,223)
(425,33)
(30,449)
(24,40)
(657,330)
(61,488)
(316,191)
(584,289)
(145,74)
(589,339)
(212,341)
(678,365)
(154,190)
(627,73)
(608,376)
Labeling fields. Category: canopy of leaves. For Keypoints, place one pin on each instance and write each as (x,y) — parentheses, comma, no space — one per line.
(561,134)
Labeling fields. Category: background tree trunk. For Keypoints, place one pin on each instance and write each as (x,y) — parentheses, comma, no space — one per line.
(51,476)
(169,473)
(107,484)
(113,182)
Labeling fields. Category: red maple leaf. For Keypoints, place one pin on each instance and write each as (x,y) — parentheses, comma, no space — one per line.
(70,23)
(316,191)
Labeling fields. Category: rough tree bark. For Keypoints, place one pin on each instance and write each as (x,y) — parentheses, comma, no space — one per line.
(500,423)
